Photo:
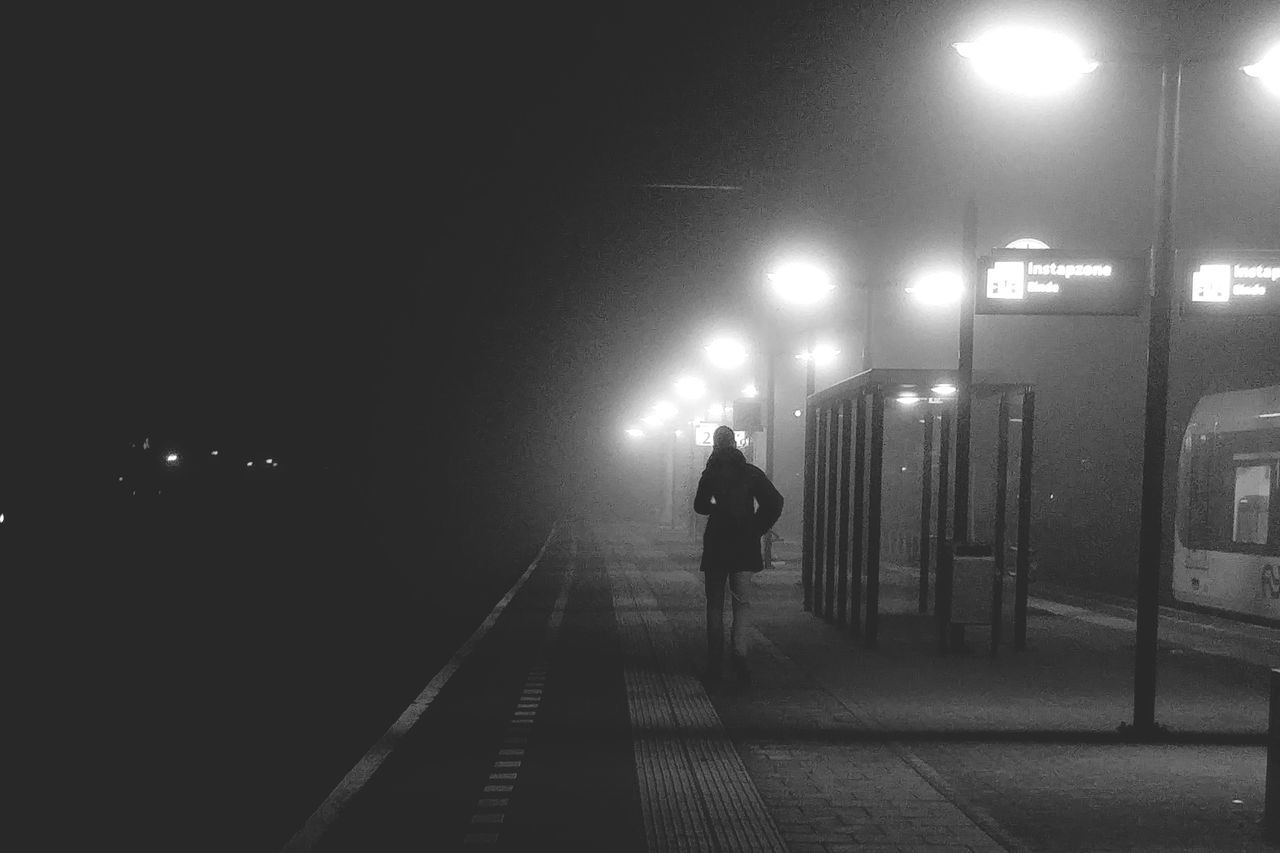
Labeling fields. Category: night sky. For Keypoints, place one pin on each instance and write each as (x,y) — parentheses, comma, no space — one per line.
(420,246)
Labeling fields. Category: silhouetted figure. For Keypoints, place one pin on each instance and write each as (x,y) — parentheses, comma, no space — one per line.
(741,505)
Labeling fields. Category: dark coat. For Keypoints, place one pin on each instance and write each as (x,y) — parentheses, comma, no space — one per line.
(746,505)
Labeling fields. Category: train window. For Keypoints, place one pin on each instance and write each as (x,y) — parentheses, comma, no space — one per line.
(1252,504)
(1232,481)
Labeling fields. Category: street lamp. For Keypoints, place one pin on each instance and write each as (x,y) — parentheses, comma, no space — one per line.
(1004,56)
(726,353)
(937,288)
(1267,70)
(800,283)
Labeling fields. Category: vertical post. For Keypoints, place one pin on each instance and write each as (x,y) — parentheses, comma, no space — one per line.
(926,495)
(942,586)
(669,484)
(859,480)
(1271,799)
(806,539)
(1002,495)
(868,354)
(846,447)
(771,435)
(964,390)
(874,490)
(832,516)
(1024,521)
(823,520)
(1151,535)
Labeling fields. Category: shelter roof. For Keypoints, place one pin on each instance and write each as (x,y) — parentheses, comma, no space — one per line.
(896,381)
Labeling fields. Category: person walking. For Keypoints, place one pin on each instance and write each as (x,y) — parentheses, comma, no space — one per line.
(741,505)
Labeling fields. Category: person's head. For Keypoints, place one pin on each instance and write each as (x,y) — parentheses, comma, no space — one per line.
(723,438)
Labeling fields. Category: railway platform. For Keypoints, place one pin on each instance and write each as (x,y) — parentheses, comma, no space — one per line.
(574,719)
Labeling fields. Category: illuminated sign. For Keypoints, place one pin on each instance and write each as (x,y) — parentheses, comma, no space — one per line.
(1244,283)
(1046,281)
(703,430)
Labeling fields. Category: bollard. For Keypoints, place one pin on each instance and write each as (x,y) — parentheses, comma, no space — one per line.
(1271,807)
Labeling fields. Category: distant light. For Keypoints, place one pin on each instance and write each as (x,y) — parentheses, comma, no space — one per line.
(268,461)
(1,518)
(275,464)
(800,283)
(904,468)
(821,355)
(213,453)
(690,387)
(120,479)
(249,464)
(679,433)
(1026,61)
(937,288)
(1267,70)
(908,399)
(1027,243)
(1015,420)
(943,388)
(172,459)
(726,353)
(651,421)
(750,392)
(797,413)
(633,432)
(664,410)
(1269,415)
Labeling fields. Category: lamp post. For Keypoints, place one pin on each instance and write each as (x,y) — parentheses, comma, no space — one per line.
(801,285)
(1034,62)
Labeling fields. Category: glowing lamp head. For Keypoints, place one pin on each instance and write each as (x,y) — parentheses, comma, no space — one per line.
(634,433)
(726,353)
(800,283)
(171,459)
(1027,61)
(1267,70)
(943,389)
(821,355)
(908,399)
(690,388)
(938,288)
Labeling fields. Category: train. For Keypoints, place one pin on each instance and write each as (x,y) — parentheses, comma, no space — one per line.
(1226,553)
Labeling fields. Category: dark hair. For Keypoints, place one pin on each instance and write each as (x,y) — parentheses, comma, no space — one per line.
(723,437)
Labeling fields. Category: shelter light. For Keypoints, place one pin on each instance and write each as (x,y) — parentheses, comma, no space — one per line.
(633,432)
(937,288)
(908,399)
(797,413)
(1267,69)
(690,387)
(800,283)
(943,388)
(1026,61)
(1269,415)
(171,458)
(213,453)
(750,391)
(726,353)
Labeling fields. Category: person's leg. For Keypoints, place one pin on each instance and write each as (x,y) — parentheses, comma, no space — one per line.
(713,584)
(740,594)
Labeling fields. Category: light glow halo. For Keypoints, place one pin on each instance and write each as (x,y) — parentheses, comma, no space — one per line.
(1027,61)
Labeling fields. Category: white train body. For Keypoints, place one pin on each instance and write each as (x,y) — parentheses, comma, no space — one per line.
(1226,551)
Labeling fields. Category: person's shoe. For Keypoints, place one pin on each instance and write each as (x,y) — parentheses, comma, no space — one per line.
(742,671)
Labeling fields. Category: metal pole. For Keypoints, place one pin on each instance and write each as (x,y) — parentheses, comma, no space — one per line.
(821,514)
(942,586)
(964,391)
(926,495)
(846,447)
(829,571)
(1002,494)
(874,489)
(1024,521)
(1151,536)
(771,435)
(1271,799)
(806,538)
(859,479)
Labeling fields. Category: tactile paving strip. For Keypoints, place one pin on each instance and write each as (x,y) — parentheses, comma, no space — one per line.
(695,793)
